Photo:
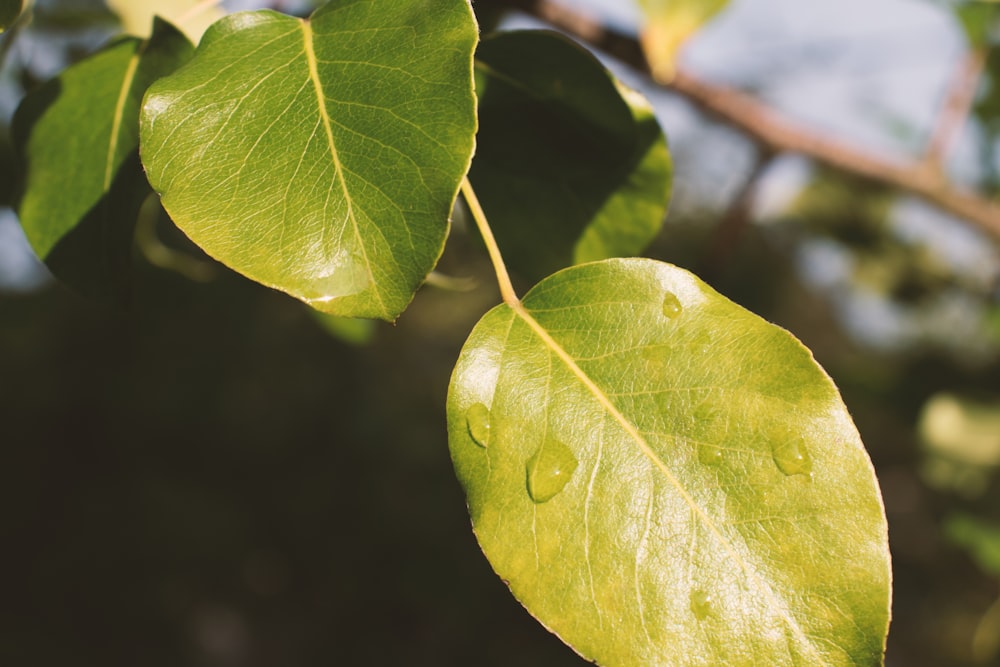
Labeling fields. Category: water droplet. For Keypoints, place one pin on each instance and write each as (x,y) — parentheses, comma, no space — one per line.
(701,604)
(549,470)
(671,305)
(791,456)
(477,420)
(326,279)
(710,454)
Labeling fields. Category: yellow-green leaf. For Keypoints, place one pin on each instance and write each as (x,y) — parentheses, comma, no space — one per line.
(668,24)
(321,157)
(668,479)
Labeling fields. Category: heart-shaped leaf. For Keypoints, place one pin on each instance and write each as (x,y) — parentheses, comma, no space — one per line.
(321,157)
(77,136)
(570,165)
(663,478)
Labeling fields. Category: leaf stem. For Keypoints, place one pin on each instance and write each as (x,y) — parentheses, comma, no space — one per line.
(503,278)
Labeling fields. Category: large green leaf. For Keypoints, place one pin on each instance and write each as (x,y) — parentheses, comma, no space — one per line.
(663,478)
(77,135)
(321,157)
(570,165)
(668,25)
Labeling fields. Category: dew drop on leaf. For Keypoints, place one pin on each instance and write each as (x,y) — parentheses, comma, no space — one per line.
(477,418)
(549,470)
(791,457)
(710,454)
(671,305)
(701,604)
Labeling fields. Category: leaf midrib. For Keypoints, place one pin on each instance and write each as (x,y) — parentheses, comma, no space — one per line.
(116,122)
(307,35)
(522,312)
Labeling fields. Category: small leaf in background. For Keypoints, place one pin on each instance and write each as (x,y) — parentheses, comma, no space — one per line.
(80,220)
(321,157)
(349,330)
(570,165)
(9,11)
(979,538)
(961,443)
(668,24)
(191,16)
(668,479)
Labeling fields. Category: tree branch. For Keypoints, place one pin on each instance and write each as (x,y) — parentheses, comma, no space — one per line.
(961,97)
(770,130)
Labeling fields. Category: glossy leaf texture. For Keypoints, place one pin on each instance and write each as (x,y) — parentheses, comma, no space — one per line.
(9,11)
(321,157)
(570,165)
(663,478)
(77,136)
(668,25)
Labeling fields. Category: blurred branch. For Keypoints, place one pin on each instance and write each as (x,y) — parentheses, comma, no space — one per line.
(770,130)
(734,221)
(961,96)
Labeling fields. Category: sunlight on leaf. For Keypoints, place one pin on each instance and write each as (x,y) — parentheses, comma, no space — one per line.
(191,16)
(77,135)
(669,480)
(668,24)
(321,157)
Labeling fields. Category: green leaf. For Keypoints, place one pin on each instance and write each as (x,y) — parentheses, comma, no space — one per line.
(980,538)
(346,329)
(78,136)
(981,22)
(191,16)
(321,157)
(9,11)
(668,25)
(570,165)
(663,478)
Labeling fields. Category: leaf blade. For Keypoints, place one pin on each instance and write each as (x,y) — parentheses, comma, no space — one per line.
(669,24)
(665,548)
(327,162)
(570,166)
(80,220)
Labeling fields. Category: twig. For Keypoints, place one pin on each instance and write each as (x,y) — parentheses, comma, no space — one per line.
(733,223)
(503,278)
(961,96)
(772,131)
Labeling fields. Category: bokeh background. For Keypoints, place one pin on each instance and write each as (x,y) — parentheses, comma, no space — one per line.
(217,477)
